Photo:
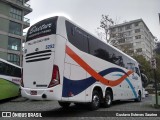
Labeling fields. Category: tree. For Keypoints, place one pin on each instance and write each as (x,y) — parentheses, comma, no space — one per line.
(105,31)
(158,67)
(105,23)
(144,66)
(157,50)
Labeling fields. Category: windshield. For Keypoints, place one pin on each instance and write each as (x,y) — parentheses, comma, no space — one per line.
(42,28)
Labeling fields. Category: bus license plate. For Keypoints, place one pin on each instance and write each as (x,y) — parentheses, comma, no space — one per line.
(33,92)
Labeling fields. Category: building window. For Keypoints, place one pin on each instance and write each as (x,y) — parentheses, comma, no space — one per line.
(128,33)
(137,30)
(13,58)
(120,29)
(15,28)
(138,37)
(121,40)
(129,38)
(16,13)
(136,24)
(130,45)
(139,50)
(113,30)
(138,43)
(14,44)
(113,35)
(128,27)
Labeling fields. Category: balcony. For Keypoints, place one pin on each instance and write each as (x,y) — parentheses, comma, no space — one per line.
(27,5)
(18,3)
(26,1)
(26,22)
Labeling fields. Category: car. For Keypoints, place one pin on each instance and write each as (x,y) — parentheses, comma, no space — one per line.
(146,93)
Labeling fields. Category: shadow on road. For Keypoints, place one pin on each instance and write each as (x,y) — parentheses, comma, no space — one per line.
(7,100)
(72,111)
(80,110)
(116,103)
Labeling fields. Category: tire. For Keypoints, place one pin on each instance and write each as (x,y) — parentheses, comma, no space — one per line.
(95,104)
(64,104)
(108,99)
(139,98)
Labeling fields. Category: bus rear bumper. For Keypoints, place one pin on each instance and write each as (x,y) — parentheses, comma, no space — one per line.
(40,94)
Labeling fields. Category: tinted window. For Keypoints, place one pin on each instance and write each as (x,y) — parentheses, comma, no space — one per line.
(9,70)
(15,28)
(101,51)
(77,37)
(42,28)
(89,44)
(14,43)
(93,47)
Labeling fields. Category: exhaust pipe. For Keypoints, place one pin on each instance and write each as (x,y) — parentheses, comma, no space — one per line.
(44,96)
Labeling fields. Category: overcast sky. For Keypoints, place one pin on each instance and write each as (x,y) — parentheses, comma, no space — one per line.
(87,13)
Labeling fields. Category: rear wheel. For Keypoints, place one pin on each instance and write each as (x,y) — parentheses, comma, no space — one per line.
(64,104)
(94,105)
(108,99)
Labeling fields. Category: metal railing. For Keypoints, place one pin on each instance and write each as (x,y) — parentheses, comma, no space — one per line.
(23,3)
(26,20)
(27,5)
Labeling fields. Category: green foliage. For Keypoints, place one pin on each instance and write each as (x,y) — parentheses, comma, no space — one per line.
(158,67)
(144,65)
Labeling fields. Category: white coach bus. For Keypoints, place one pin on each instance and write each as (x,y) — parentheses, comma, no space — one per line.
(65,63)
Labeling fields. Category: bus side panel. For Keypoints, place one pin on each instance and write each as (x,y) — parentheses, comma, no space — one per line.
(76,75)
(8,88)
(60,47)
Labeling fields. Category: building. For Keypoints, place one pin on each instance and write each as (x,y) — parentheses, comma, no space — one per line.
(133,37)
(12,23)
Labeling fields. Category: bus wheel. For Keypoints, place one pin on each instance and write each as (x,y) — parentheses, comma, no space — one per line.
(64,104)
(94,105)
(107,100)
(139,98)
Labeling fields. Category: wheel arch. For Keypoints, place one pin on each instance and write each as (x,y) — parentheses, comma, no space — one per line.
(99,89)
(109,89)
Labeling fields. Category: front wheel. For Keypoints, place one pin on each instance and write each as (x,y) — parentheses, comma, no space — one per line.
(64,104)
(94,105)
(139,98)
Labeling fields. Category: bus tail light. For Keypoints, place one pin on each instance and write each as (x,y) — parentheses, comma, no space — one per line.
(55,77)
(21,82)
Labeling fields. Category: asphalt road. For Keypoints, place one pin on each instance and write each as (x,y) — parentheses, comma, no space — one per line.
(52,108)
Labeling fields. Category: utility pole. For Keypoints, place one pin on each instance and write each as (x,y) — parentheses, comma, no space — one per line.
(153,65)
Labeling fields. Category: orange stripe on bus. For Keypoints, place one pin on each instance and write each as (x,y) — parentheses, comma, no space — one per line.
(92,72)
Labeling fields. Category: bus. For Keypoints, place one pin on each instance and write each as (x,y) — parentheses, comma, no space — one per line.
(10,77)
(65,63)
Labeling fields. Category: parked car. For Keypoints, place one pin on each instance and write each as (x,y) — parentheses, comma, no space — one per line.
(146,93)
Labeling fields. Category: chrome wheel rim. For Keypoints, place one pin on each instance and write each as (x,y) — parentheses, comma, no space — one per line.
(96,100)
(108,99)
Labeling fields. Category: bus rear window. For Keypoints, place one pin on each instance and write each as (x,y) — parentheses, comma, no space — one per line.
(42,28)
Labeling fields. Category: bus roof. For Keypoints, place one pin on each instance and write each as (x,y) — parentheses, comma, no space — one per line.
(9,63)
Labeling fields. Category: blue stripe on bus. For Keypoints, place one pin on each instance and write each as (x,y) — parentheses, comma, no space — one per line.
(75,87)
(130,84)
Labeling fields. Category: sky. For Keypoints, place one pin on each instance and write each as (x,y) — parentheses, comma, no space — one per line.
(87,13)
